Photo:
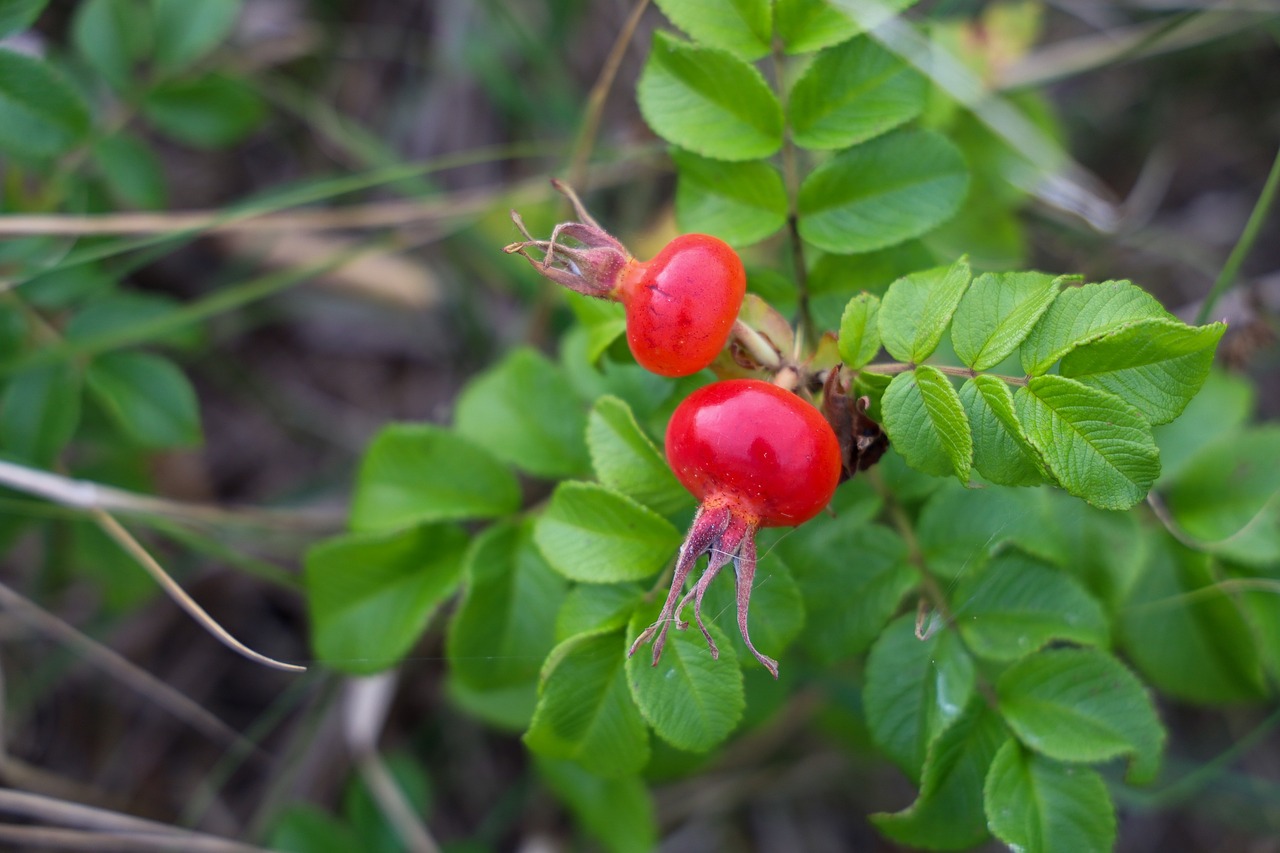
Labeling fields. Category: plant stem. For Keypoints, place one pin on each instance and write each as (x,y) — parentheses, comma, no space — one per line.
(791,180)
(896,367)
(1247,238)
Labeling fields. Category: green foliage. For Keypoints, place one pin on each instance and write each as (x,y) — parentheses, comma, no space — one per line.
(41,116)
(213,111)
(148,396)
(626,460)
(185,34)
(742,203)
(742,27)
(595,535)
(619,812)
(1039,805)
(39,413)
(17,15)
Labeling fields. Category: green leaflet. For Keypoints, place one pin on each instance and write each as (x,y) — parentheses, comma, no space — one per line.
(741,203)
(926,423)
(859,330)
(148,396)
(626,460)
(1082,705)
(916,309)
(1038,805)
(1083,314)
(370,596)
(524,411)
(692,700)
(915,690)
(1016,605)
(997,313)
(851,93)
(742,27)
(1156,365)
(39,413)
(708,101)
(414,473)
(617,811)
(593,534)
(882,192)
(1001,450)
(948,814)
(505,624)
(1097,446)
(585,712)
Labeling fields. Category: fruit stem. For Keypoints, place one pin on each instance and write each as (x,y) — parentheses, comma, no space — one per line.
(756,344)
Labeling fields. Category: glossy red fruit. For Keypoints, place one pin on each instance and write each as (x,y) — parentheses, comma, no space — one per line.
(680,306)
(755,456)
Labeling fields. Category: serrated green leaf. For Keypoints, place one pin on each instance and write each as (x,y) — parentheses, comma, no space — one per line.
(39,413)
(1228,496)
(524,411)
(1001,450)
(1082,705)
(507,708)
(742,27)
(17,15)
(618,812)
(505,625)
(186,32)
(916,309)
(872,272)
(860,330)
(213,111)
(776,617)
(1017,605)
(1188,640)
(948,814)
(585,712)
(602,323)
(926,423)
(1037,805)
(808,25)
(112,35)
(851,93)
(915,690)
(997,313)
(413,473)
(1155,365)
(626,460)
(40,114)
(370,596)
(708,101)
(959,529)
(593,534)
(148,396)
(1105,551)
(596,608)
(692,700)
(131,171)
(1096,445)
(741,203)
(882,192)
(852,576)
(1083,314)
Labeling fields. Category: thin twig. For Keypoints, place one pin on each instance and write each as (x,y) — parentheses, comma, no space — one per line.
(1247,238)
(791,182)
(131,546)
(599,94)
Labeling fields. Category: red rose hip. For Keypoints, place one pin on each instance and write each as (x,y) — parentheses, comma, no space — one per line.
(680,306)
(755,456)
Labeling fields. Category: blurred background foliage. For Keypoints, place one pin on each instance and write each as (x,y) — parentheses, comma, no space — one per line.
(240,237)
